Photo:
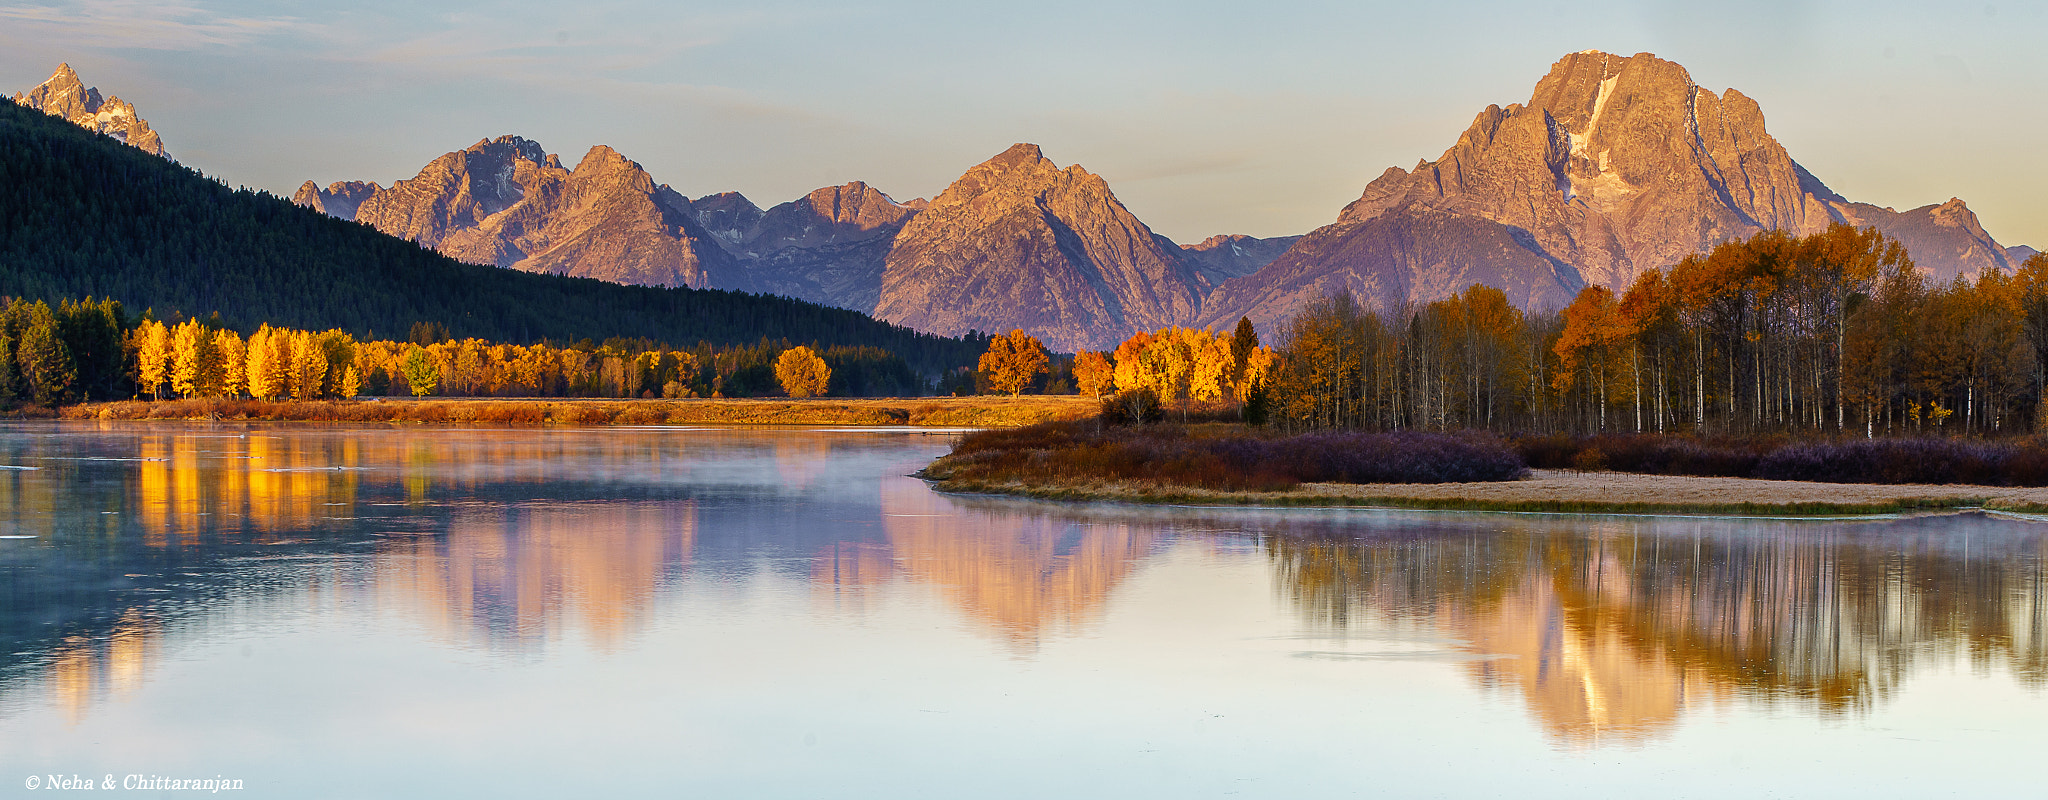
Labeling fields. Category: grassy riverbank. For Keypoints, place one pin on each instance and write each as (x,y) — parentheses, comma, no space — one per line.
(1232,465)
(937,412)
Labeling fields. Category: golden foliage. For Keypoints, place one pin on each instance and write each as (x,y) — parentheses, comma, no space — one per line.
(801,372)
(1012,361)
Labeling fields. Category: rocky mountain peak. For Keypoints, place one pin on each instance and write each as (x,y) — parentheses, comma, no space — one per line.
(67,97)
(508,202)
(1017,242)
(340,199)
(727,215)
(1615,165)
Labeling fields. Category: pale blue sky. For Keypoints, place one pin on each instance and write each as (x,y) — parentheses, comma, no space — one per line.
(1205,117)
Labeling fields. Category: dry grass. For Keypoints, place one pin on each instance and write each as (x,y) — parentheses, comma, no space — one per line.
(964,412)
(1563,491)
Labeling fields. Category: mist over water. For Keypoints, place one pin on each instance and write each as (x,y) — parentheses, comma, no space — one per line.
(338,611)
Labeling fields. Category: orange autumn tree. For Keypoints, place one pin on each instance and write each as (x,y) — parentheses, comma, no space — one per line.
(1594,329)
(1094,374)
(1012,361)
(801,372)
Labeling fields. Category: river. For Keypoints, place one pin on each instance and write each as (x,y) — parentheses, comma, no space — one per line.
(335,611)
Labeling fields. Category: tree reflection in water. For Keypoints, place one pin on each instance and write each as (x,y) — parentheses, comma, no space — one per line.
(1611,629)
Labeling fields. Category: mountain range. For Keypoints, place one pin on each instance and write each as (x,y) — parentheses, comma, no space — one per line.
(1613,166)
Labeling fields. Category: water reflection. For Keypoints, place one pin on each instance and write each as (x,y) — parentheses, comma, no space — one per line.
(515,543)
(1609,630)
(512,578)
(1017,573)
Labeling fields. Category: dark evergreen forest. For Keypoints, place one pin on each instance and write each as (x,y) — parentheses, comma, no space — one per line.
(82,215)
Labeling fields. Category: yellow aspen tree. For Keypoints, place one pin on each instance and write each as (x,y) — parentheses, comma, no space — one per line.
(1130,362)
(1210,379)
(308,366)
(421,373)
(801,372)
(1259,363)
(255,361)
(270,363)
(153,357)
(187,341)
(350,382)
(234,362)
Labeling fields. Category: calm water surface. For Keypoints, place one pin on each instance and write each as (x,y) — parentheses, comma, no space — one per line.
(375,612)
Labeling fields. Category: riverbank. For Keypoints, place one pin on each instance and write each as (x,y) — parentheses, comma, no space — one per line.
(935,412)
(1563,491)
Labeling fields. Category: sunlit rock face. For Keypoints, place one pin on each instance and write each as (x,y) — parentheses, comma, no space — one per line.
(1615,165)
(66,97)
(1018,242)
(509,203)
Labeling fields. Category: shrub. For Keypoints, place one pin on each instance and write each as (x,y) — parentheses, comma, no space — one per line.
(1929,460)
(1225,458)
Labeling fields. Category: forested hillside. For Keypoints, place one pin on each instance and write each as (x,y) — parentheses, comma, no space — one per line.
(82,215)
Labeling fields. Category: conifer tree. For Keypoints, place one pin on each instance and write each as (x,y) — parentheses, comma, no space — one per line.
(43,360)
(8,388)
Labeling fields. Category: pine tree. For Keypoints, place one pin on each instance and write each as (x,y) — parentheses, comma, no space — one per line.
(8,388)
(43,360)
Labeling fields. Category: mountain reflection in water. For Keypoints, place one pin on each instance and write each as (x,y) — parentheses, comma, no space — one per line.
(1608,630)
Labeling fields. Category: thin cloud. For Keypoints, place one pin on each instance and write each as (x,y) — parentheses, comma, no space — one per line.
(138,24)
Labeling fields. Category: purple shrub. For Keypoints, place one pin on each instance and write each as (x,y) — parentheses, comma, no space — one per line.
(1170,454)
(1893,461)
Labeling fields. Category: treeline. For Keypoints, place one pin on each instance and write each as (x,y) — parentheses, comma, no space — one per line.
(91,350)
(1153,372)
(1831,333)
(83,215)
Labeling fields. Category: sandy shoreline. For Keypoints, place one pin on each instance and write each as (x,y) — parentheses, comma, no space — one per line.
(1620,487)
(1567,491)
(937,412)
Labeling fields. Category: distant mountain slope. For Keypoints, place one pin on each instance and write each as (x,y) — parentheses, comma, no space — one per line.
(66,97)
(1220,258)
(1017,242)
(826,247)
(82,215)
